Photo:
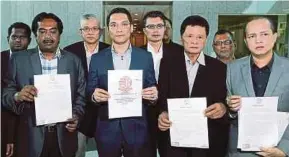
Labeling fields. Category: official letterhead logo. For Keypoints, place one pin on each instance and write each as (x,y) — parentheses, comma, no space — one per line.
(125,84)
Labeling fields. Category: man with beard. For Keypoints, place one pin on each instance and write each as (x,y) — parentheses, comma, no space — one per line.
(90,32)
(18,38)
(53,140)
(224,46)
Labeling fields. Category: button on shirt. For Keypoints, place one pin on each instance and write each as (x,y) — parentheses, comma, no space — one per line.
(49,66)
(192,69)
(89,54)
(260,77)
(121,61)
(157,56)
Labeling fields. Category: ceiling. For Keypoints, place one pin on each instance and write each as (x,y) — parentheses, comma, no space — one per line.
(139,9)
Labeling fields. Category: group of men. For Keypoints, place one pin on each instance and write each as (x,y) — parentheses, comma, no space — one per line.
(169,71)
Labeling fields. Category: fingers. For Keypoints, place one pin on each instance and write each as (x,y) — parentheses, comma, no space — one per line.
(234,102)
(27,93)
(215,111)
(9,150)
(150,93)
(271,152)
(101,95)
(72,125)
(163,121)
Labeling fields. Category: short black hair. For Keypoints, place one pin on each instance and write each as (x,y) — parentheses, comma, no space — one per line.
(41,16)
(224,31)
(195,20)
(169,20)
(154,14)
(271,22)
(116,11)
(19,25)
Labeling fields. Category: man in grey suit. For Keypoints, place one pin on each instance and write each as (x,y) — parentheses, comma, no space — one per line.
(263,73)
(54,140)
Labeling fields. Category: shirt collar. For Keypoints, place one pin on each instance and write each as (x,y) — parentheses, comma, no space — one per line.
(151,49)
(126,53)
(269,65)
(94,51)
(57,53)
(10,53)
(200,60)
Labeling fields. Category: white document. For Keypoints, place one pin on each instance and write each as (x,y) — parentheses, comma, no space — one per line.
(189,124)
(283,122)
(53,101)
(258,125)
(125,90)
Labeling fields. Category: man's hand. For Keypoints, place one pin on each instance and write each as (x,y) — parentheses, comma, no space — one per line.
(163,121)
(71,126)
(234,102)
(215,111)
(150,93)
(9,149)
(27,93)
(100,95)
(271,152)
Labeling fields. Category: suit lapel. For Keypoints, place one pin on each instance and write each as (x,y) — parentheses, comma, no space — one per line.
(109,60)
(134,60)
(62,67)
(276,72)
(35,62)
(247,77)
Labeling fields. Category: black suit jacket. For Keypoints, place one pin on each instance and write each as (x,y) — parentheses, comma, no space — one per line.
(210,82)
(168,49)
(88,124)
(8,118)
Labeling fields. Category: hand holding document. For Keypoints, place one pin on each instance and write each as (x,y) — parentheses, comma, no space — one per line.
(125,89)
(258,123)
(189,125)
(53,101)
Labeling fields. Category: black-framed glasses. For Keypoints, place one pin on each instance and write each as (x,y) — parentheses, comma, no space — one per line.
(87,29)
(225,42)
(152,26)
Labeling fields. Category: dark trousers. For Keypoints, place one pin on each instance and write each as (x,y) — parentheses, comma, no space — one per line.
(153,129)
(50,146)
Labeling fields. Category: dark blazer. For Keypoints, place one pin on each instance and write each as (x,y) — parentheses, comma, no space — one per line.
(24,65)
(153,112)
(8,118)
(87,125)
(98,77)
(210,82)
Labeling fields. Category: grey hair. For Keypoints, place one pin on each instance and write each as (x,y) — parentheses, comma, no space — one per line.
(87,17)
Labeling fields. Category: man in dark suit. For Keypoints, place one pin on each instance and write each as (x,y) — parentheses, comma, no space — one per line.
(90,32)
(18,38)
(60,139)
(192,74)
(168,34)
(154,29)
(121,136)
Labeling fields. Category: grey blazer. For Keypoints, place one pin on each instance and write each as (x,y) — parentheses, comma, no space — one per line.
(23,66)
(239,82)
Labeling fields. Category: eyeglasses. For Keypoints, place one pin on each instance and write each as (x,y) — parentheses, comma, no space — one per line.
(225,42)
(15,37)
(152,26)
(123,25)
(87,29)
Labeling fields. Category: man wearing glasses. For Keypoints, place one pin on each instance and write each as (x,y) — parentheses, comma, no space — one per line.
(224,46)
(154,29)
(90,32)
(121,136)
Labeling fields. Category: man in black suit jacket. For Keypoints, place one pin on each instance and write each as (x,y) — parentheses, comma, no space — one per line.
(18,38)
(168,34)
(90,32)
(154,29)
(176,80)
